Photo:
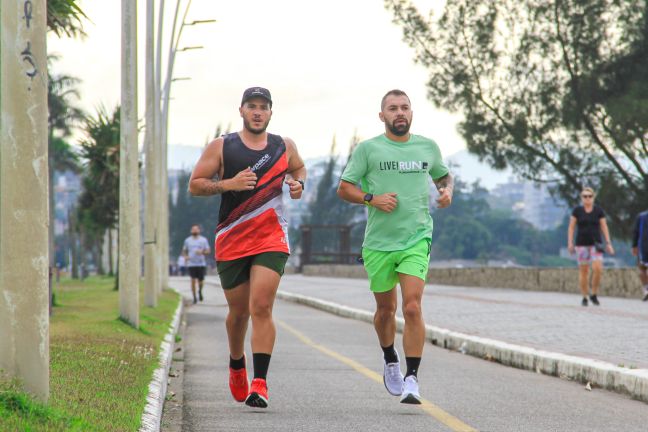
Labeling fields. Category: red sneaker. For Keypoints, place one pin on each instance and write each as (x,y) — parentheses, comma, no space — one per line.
(258,397)
(238,383)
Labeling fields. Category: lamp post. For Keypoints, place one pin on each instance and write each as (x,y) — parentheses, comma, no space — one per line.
(164,127)
(152,258)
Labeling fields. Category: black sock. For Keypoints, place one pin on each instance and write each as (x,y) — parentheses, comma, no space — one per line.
(389,353)
(413,364)
(237,364)
(261,363)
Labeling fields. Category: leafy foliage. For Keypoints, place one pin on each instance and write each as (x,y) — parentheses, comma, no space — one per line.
(470,229)
(99,201)
(326,208)
(63,116)
(65,17)
(555,90)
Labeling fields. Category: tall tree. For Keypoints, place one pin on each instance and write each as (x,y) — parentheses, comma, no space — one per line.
(554,89)
(328,209)
(99,200)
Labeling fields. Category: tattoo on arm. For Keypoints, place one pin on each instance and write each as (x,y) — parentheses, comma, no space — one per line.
(210,187)
(446,182)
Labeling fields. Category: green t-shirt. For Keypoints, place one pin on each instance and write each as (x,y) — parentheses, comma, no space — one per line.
(381,166)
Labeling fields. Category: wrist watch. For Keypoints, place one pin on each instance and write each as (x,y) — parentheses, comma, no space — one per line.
(367,199)
(301,182)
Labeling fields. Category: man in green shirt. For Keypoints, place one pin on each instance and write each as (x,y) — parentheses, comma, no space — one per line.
(390,174)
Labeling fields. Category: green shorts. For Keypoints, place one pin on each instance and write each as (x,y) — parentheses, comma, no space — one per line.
(383,267)
(235,272)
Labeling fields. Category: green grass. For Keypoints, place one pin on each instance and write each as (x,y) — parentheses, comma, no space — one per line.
(100,367)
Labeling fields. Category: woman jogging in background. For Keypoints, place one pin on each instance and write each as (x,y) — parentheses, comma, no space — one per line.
(590,221)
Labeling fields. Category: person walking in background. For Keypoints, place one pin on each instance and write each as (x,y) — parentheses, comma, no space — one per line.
(394,170)
(194,250)
(588,220)
(182,265)
(640,249)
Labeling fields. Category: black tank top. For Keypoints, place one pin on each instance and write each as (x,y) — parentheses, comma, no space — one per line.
(237,157)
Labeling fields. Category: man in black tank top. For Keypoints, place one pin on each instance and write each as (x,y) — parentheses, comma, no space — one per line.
(251,243)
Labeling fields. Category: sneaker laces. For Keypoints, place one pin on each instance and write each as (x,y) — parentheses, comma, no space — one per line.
(393,370)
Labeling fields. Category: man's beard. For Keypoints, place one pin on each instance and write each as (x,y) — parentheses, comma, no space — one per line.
(259,131)
(401,129)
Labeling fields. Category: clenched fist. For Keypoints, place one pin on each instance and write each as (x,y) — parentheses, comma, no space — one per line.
(385,202)
(295,188)
(244,180)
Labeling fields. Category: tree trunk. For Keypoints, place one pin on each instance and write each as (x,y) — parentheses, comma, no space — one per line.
(111,266)
(98,247)
(83,255)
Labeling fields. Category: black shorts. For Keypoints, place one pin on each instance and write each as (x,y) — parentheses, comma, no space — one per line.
(234,273)
(197,272)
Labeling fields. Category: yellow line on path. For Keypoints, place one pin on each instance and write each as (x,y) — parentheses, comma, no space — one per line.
(447,419)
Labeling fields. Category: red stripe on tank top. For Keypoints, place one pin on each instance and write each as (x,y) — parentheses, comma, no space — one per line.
(263,233)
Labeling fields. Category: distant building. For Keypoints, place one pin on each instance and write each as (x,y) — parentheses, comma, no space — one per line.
(531,202)
(67,187)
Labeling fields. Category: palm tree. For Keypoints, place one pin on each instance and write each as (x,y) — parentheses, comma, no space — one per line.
(63,116)
(65,17)
(99,201)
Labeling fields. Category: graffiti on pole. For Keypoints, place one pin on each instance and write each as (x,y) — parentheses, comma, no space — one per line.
(29,62)
(28,8)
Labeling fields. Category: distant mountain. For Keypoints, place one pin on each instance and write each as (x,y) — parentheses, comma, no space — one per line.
(469,169)
(183,156)
(466,166)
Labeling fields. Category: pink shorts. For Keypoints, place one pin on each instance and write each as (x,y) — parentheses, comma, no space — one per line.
(587,254)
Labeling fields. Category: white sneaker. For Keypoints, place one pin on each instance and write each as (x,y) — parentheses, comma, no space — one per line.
(393,378)
(411,391)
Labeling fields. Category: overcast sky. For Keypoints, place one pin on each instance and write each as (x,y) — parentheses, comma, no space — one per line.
(327,64)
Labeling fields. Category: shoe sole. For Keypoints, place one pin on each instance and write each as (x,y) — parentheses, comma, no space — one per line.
(255,400)
(411,399)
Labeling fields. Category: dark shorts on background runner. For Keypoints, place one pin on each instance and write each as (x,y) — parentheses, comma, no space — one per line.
(197,272)
(235,272)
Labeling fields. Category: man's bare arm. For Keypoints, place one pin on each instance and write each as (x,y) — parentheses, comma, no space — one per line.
(296,167)
(202,178)
(446,182)
(445,186)
(209,166)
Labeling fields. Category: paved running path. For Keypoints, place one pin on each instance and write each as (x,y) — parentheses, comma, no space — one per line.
(616,332)
(322,378)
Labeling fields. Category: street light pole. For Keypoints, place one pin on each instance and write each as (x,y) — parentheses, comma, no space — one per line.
(24,214)
(129,224)
(164,126)
(164,174)
(162,246)
(152,258)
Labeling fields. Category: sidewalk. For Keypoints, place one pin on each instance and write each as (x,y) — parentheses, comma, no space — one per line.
(615,332)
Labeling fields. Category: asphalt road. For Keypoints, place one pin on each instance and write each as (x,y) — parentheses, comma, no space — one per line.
(325,376)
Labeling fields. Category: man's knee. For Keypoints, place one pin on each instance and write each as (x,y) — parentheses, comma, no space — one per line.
(412,310)
(261,309)
(239,315)
(385,312)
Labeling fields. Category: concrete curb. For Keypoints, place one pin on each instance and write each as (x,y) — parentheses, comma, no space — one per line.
(633,382)
(152,416)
